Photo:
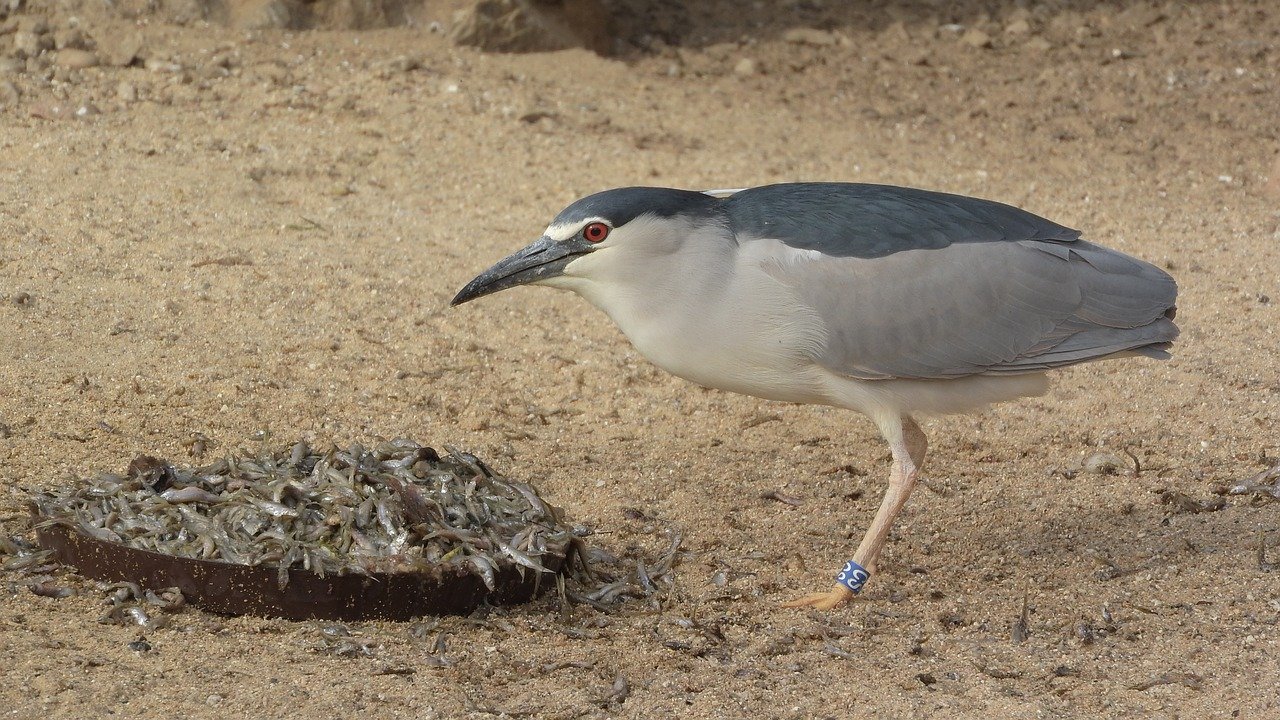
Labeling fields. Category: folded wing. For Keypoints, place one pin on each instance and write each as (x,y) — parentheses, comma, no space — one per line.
(980,308)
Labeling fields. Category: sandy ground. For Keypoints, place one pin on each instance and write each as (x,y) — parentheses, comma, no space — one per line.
(263,230)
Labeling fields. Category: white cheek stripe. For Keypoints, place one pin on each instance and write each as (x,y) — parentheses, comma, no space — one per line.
(563,231)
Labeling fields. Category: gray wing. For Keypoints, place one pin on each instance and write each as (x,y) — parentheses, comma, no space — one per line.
(981,308)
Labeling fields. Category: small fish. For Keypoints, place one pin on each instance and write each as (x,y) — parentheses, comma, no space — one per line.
(190,494)
(484,568)
(521,558)
(121,592)
(436,657)
(610,592)
(139,615)
(643,576)
(169,599)
(298,455)
(47,588)
(275,509)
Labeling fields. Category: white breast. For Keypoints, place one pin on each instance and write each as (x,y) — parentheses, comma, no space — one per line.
(710,313)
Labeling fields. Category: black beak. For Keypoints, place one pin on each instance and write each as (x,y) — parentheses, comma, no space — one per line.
(543,259)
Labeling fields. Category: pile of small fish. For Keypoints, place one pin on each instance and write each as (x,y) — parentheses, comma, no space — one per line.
(399,507)
(25,559)
(603,578)
(129,604)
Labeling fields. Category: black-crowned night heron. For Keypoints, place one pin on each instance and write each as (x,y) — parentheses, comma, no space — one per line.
(886,300)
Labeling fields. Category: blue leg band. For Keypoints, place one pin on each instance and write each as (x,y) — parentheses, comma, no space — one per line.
(853,576)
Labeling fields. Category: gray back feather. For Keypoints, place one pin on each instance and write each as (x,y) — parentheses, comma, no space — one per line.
(870,221)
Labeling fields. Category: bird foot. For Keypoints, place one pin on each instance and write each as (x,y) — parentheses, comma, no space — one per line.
(831,599)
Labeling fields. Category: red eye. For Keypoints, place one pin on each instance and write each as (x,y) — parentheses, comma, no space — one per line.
(595,232)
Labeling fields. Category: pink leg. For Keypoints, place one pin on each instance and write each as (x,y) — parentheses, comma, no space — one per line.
(908,445)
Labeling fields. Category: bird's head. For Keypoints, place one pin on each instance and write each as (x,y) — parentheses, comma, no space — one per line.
(601,238)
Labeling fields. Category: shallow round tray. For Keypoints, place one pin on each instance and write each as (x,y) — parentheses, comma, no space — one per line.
(233,589)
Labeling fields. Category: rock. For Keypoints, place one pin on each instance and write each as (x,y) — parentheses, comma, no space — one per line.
(161,65)
(976,38)
(127,92)
(50,110)
(33,24)
(1102,464)
(811,36)
(30,44)
(1038,44)
(209,71)
(403,64)
(119,48)
(9,95)
(896,32)
(263,14)
(746,67)
(11,66)
(73,59)
(186,12)
(1018,27)
(68,38)
(532,25)
(914,55)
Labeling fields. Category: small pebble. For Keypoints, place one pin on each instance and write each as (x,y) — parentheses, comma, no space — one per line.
(161,65)
(29,44)
(1102,464)
(262,15)
(119,49)
(1017,27)
(68,38)
(74,59)
(811,36)
(976,38)
(746,67)
(35,24)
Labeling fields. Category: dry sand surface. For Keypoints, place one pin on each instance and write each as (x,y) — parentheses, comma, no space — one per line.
(250,229)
